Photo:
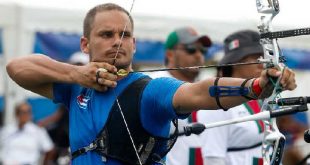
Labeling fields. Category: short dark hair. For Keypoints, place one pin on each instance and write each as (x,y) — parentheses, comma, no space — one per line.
(90,16)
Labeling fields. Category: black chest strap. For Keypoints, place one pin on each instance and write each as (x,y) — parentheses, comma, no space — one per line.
(113,140)
(130,101)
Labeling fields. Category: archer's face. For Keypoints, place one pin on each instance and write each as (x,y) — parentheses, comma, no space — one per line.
(105,38)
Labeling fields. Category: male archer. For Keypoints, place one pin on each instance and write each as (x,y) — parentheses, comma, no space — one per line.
(117,120)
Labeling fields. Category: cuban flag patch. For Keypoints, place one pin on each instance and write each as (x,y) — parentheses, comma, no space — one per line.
(82,101)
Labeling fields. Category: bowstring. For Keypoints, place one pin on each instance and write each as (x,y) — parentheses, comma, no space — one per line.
(117,101)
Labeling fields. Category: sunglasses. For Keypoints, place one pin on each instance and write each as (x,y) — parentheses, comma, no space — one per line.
(192,49)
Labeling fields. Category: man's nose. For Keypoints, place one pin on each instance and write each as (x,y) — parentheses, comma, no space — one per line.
(117,41)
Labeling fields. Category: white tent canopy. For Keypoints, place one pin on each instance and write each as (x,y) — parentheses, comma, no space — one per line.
(20,22)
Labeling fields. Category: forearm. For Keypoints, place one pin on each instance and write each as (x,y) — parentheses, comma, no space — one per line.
(38,69)
(193,96)
(38,73)
(35,72)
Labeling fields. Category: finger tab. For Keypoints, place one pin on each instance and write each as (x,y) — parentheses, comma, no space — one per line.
(122,72)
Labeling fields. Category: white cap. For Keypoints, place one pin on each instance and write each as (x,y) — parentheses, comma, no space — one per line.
(79,58)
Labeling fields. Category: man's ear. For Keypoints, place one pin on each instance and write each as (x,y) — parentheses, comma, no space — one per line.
(84,44)
(134,45)
(169,56)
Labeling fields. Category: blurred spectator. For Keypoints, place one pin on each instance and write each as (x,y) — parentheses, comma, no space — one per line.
(58,124)
(185,48)
(23,142)
(239,143)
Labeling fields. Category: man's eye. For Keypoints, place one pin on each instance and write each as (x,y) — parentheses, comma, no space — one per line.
(106,34)
(126,34)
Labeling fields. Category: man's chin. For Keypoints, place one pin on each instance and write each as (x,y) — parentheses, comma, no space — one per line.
(122,65)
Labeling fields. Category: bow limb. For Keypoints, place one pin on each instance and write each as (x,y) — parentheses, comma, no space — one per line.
(273,142)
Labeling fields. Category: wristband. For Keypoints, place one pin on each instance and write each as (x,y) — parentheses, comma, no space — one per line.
(257,90)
